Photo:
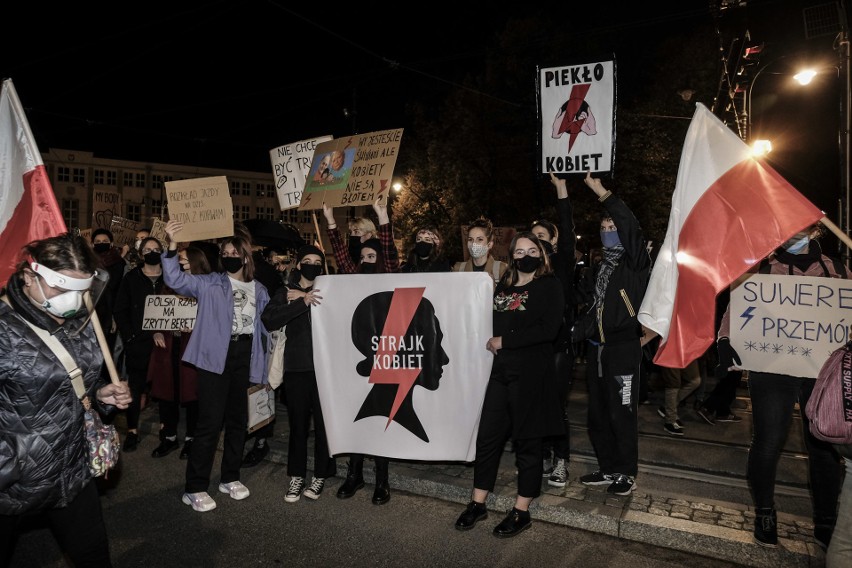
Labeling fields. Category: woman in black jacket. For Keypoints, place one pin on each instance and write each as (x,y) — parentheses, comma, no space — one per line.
(521,400)
(291,307)
(43,453)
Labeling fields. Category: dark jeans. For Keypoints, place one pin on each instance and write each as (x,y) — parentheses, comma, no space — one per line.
(222,401)
(79,529)
(612,373)
(772,399)
(137,356)
(561,445)
(302,402)
(495,427)
(170,416)
(723,394)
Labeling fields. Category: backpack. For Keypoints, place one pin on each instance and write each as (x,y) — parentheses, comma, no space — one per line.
(829,408)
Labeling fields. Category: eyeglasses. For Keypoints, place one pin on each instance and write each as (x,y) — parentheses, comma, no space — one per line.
(148,250)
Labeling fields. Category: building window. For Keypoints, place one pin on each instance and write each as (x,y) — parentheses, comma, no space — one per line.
(79,175)
(246,188)
(128,179)
(157,181)
(245,209)
(134,212)
(157,208)
(112,177)
(63,173)
(235,188)
(70,212)
(140,180)
(306,216)
(99,177)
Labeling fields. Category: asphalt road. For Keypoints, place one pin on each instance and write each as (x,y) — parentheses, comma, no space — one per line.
(150,527)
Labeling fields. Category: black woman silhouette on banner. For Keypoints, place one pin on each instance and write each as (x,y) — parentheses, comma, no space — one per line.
(400,337)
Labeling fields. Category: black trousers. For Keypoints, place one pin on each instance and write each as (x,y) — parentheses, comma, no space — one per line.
(79,529)
(495,428)
(303,402)
(612,374)
(561,445)
(222,401)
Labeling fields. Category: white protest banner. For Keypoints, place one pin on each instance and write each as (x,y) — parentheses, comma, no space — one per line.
(789,324)
(355,170)
(577,110)
(401,362)
(169,312)
(203,205)
(291,164)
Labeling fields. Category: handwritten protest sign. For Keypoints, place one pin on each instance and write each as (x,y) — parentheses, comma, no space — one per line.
(577,110)
(105,204)
(355,170)
(789,324)
(168,312)
(291,164)
(158,230)
(123,231)
(203,205)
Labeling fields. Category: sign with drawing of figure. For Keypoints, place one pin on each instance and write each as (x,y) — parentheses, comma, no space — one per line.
(355,170)
(401,362)
(789,324)
(577,110)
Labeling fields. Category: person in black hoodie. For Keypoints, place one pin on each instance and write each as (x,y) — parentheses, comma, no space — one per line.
(291,307)
(616,338)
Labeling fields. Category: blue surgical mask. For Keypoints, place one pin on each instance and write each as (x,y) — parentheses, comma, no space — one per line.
(610,239)
(796,246)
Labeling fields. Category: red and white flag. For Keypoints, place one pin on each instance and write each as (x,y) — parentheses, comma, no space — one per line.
(28,208)
(728,212)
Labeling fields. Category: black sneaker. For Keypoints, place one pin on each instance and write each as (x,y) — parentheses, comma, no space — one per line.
(766,528)
(674,429)
(729,418)
(622,485)
(315,489)
(547,468)
(597,478)
(297,485)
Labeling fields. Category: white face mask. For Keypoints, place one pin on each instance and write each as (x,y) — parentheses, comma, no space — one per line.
(64,305)
(477,250)
(138,243)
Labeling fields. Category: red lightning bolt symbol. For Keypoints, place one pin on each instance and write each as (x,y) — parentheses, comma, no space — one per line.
(402,308)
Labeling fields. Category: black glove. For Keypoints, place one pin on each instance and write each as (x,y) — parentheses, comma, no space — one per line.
(728,357)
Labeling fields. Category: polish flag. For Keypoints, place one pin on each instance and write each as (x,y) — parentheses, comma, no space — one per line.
(728,212)
(28,208)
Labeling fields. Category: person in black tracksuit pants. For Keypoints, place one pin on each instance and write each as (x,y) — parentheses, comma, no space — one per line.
(615,352)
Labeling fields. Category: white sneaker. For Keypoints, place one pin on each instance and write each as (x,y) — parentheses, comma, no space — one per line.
(235,489)
(201,501)
(559,477)
(315,490)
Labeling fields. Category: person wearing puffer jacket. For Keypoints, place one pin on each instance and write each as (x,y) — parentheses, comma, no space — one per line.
(43,453)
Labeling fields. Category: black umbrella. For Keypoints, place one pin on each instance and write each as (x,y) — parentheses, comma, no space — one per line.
(268,233)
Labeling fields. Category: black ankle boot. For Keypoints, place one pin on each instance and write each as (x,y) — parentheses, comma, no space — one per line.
(516,522)
(382,493)
(474,513)
(766,527)
(354,479)
(823,529)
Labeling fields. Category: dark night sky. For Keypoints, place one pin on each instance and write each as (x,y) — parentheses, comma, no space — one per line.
(221,82)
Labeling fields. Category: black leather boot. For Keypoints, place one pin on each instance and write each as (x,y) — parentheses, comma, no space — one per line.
(354,478)
(516,522)
(382,493)
(823,529)
(766,527)
(474,513)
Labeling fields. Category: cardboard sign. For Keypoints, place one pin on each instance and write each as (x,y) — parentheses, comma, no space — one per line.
(789,325)
(86,234)
(291,164)
(123,231)
(203,205)
(158,230)
(577,110)
(355,170)
(261,407)
(169,312)
(105,204)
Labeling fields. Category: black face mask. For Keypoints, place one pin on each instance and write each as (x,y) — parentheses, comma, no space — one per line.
(368,268)
(548,247)
(311,271)
(527,264)
(153,258)
(355,249)
(232,264)
(101,248)
(422,249)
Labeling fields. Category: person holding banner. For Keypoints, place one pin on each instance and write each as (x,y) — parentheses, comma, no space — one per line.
(773,400)
(360,230)
(228,347)
(480,240)
(616,340)
(521,400)
(291,307)
(136,286)
(43,456)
